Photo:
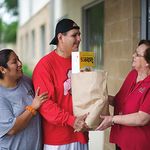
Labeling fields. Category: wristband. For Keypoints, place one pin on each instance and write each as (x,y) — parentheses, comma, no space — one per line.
(112,121)
(31,110)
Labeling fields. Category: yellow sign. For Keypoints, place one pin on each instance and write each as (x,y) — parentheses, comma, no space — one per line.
(82,61)
(86,59)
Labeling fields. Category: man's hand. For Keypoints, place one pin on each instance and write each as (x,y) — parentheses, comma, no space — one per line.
(80,125)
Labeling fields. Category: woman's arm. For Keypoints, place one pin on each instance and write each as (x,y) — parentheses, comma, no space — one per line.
(135,119)
(23,120)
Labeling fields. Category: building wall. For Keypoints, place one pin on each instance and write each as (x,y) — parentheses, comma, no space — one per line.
(24,48)
(121,34)
(29,8)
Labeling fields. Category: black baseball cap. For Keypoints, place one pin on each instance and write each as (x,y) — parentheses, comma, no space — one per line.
(63,26)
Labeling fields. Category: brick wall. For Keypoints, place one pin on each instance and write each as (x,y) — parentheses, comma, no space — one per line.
(121,34)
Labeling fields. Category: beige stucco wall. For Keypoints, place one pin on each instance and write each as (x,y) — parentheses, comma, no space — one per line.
(24,50)
(121,34)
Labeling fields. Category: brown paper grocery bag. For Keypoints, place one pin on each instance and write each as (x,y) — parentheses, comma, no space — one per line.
(89,94)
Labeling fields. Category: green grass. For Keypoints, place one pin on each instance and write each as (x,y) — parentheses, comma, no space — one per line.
(27,71)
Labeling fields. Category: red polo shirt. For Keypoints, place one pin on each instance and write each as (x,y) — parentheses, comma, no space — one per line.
(131,98)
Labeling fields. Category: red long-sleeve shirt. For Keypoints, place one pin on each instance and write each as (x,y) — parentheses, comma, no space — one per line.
(52,74)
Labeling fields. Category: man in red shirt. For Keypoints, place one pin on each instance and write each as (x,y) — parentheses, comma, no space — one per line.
(52,73)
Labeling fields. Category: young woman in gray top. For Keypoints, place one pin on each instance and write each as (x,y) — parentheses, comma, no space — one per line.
(20,127)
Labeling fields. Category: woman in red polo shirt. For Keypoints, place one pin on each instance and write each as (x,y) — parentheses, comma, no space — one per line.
(131,121)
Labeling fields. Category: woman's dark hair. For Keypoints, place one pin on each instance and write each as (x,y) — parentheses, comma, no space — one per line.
(146,42)
(4,57)
(147,51)
(147,55)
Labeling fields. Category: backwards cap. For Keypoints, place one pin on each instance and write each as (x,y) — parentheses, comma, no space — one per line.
(63,26)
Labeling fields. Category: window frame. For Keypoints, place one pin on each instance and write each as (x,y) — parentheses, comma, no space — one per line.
(85,43)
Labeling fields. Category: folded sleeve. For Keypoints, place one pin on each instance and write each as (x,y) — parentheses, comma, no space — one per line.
(7,119)
(145,104)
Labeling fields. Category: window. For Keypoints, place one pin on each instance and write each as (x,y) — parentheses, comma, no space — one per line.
(21,47)
(26,52)
(33,42)
(42,30)
(145,19)
(93,28)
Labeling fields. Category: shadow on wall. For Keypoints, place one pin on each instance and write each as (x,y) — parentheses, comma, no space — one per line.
(27,71)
